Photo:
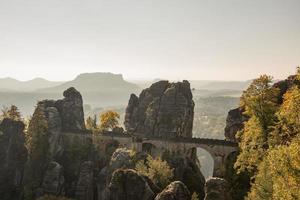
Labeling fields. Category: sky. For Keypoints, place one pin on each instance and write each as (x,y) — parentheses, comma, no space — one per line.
(148,39)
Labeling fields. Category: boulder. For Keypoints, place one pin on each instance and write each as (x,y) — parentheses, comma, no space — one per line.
(175,191)
(13,156)
(121,158)
(165,110)
(127,184)
(216,189)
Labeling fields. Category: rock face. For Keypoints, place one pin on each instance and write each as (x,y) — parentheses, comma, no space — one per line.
(64,115)
(128,184)
(165,110)
(71,110)
(122,158)
(13,156)
(188,171)
(216,188)
(53,182)
(175,191)
(84,188)
(234,123)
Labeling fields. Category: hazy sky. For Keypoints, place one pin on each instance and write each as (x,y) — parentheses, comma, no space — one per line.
(144,39)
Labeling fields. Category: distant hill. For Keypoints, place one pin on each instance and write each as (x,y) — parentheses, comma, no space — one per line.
(10,84)
(97,89)
(95,82)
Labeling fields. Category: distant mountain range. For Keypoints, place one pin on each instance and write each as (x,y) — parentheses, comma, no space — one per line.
(99,90)
(10,84)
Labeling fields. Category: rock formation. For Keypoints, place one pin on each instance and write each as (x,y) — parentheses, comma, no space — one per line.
(85,188)
(234,123)
(187,170)
(175,191)
(13,156)
(216,188)
(122,158)
(53,182)
(128,184)
(71,110)
(165,110)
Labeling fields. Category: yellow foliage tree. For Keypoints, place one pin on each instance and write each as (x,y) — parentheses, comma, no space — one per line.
(109,120)
(260,104)
(279,174)
(288,125)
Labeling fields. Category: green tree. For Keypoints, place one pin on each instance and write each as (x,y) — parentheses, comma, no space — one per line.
(11,113)
(260,104)
(157,170)
(109,120)
(261,100)
(278,174)
(288,125)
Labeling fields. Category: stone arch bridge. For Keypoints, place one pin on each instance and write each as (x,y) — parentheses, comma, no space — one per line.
(218,149)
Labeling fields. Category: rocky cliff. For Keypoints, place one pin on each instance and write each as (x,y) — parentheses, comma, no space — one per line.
(234,123)
(165,110)
(13,156)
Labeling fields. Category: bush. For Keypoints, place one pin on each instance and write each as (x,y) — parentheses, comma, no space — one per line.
(157,170)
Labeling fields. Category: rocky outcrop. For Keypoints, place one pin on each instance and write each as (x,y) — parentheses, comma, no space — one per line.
(234,123)
(13,156)
(175,191)
(85,188)
(187,170)
(128,184)
(122,158)
(216,188)
(53,182)
(165,110)
(71,110)
(64,115)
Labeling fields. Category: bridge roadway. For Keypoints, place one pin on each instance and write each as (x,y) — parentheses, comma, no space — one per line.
(218,149)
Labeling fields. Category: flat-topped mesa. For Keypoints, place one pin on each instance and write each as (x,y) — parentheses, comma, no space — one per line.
(164,110)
